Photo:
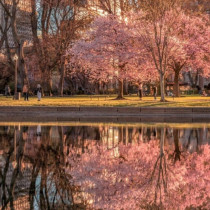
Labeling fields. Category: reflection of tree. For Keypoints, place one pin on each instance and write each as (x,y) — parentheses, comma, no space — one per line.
(160,170)
(9,172)
(193,138)
(78,137)
(177,152)
(166,177)
(176,156)
(190,139)
(142,177)
(49,186)
(140,173)
(53,183)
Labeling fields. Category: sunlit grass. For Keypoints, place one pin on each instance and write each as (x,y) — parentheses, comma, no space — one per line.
(101,100)
(129,124)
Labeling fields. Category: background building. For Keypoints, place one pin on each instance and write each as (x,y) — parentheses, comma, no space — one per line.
(22,21)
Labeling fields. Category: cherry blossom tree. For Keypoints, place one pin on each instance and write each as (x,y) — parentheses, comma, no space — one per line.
(107,50)
(172,39)
(154,35)
(151,29)
(193,33)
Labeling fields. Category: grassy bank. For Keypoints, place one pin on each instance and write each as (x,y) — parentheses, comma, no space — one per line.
(184,101)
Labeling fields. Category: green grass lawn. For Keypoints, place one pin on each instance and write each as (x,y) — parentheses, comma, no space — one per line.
(184,101)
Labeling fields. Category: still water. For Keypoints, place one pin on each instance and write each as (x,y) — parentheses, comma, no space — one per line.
(104,166)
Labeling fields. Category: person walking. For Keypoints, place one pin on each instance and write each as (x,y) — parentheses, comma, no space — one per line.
(25,92)
(140,91)
(39,92)
(155,92)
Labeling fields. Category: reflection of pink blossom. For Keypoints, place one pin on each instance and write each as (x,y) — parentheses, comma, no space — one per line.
(129,180)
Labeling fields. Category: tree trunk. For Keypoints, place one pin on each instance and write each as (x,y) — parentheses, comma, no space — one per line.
(176,83)
(47,81)
(97,88)
(162,87)
(201,80)
(32,188)
(50,85)
(61,84)
(162,141)
(177,152)
(120,90)
(22,66)
(125,87)
(62,143)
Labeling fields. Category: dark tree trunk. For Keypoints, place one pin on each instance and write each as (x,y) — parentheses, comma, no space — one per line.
(22,66)
(176,83)
(120,90)
(162,87)
(97,88)
(46,82)
(177,152)
(61,84)
(50,85)
(177,67)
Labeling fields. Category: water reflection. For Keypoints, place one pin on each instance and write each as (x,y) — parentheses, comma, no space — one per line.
(101,165)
